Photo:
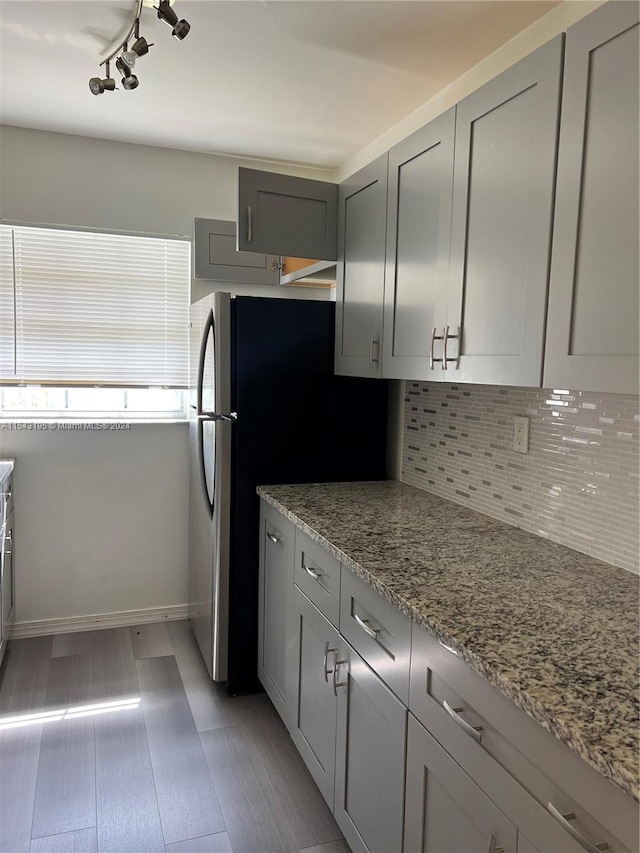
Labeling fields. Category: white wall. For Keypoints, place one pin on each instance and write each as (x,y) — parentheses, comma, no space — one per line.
(101,517)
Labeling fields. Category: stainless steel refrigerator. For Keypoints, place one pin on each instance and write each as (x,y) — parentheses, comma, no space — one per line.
(265,408)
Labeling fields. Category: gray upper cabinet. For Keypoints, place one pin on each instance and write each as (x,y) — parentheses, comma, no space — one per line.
(505,154)
(362,220)
(284,215)
(217,259)
(418,242)
(592,330)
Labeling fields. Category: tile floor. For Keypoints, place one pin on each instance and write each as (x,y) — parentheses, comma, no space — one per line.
(117,740)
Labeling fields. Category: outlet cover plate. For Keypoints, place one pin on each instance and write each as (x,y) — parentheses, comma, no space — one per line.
(521,434)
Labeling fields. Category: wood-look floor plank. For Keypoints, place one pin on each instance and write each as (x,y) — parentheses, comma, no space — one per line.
(23,692)
(218,843)
(187,800)
(115,677)
(78,643)
(211,706)
(65,791)
(332,847)
(81,841)
(269,801)
(128,818)
(150,641)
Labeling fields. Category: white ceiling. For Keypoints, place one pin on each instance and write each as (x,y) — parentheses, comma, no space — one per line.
(302,81)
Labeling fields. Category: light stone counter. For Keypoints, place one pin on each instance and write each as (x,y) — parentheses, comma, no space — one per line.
(552,629)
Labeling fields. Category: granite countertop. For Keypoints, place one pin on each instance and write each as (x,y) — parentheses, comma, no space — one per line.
(6,467)
(554,630)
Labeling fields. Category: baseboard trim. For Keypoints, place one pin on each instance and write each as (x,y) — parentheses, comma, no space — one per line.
(95,621)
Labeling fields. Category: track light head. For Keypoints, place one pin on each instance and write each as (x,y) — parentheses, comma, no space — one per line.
(180,29)
(129,79)
(98,85)
(139,48)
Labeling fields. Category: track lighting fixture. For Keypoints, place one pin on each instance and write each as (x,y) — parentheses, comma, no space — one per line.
(126,58)
(180,29)
(98,85)
(129,79)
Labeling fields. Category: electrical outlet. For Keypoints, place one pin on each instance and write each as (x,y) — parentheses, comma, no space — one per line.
(521,435)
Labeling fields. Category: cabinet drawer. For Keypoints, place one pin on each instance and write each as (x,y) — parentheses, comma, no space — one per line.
(317,574)
(377,631)
(513,758)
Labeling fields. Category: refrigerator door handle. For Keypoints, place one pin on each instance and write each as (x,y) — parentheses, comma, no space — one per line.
(209,500)
(232,417)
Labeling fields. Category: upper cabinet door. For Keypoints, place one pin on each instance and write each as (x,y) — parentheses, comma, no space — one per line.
(360,271)
(418,243)
(505,154)
(592,329)
(217,259)
(283,215)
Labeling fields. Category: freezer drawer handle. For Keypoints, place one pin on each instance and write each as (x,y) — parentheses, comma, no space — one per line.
(364,624)
(563,820)
(454,713)
(273,538)
(315,575)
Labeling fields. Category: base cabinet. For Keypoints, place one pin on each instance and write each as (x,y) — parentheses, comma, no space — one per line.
(370,758)
(446,811)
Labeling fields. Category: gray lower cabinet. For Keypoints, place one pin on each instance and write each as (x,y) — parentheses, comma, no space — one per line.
(285,215)
(362,217)
(446,812)
(505,153)
(7,589)
(370,758)
(418,243)
(275,635)
(592,329)
(313,722)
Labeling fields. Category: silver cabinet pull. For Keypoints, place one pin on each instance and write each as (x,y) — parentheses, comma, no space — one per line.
(337,663)
(447,334)
(312,573)
(372,342)
(454,713)
(328,651)
(273,538)
(364,624)
(492,846)
(433,340)
(249,224)
(563,820)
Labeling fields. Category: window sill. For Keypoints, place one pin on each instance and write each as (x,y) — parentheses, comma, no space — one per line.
(44,424)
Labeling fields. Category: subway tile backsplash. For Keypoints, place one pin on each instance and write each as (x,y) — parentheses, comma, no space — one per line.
(579,483)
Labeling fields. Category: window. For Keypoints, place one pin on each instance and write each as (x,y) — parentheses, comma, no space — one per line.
(93,324)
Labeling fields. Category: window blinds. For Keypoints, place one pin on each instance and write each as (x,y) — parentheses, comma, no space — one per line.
(94,309)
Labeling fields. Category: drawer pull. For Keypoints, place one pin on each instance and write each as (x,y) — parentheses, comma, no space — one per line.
(327,652)
(492,846)
(312,572)
(364,624)
(454,713)
(273,538)
(563,820)
(337,683)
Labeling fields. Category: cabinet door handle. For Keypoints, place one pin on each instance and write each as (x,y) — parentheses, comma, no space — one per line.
(249,224)
(328,651)
(445,337)
(273,538)
(454,713)
(492,846)
(433,340)
(364,624)
(312,573)
(336,683)
(372,342)
(563,820)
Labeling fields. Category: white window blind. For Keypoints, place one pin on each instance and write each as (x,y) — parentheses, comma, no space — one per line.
(7,336)
(100,309)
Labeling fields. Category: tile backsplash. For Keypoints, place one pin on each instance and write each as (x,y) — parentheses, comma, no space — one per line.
(579,483)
